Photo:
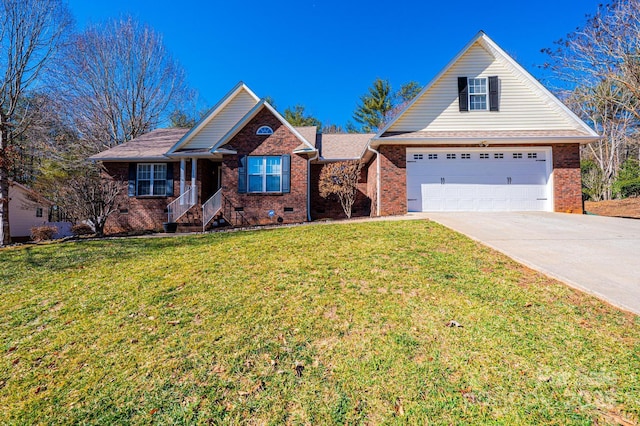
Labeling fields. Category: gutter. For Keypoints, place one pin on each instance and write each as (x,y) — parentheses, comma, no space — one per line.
(377,178)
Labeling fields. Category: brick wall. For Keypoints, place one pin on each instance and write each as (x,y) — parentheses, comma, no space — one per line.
(330,207)
(282,141)
(393,180)
(567,184)
(138,213)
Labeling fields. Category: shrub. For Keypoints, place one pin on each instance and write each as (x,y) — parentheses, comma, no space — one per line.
(43,233)
(81,229)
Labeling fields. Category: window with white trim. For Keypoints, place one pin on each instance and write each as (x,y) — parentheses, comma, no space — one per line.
(151,179)
(264,174)
(264,130)
(38,211)
(478,94)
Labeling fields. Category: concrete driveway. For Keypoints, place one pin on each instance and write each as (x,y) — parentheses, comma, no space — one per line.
(596,254)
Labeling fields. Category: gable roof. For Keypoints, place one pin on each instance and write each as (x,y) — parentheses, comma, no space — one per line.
(151,146)
(574,127)
(306,146)
(226,117)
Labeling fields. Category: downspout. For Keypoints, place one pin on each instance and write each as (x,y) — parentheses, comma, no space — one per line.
(309,184)
(377,178)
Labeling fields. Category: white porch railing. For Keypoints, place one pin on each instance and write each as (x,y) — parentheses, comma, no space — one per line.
(180,205)
(211,207)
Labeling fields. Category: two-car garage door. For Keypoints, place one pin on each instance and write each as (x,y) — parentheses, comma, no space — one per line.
(479,179)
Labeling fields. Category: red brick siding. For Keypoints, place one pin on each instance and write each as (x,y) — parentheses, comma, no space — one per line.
(330,207)
(372,182)
(138,213)
(567,184)
(282,141)
(393,180)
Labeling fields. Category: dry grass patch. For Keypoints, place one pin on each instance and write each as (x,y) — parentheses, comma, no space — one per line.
(327,324)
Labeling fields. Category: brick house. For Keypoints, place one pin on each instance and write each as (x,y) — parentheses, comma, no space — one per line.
(483,135)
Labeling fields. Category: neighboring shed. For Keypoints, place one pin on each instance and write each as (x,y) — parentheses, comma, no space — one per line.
(24,211)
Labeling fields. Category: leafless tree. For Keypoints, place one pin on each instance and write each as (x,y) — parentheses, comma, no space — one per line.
(120,82)
(599,67)
(31,33)
(341,179)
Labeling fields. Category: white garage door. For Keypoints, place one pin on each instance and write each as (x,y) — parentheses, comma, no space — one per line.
(479,179)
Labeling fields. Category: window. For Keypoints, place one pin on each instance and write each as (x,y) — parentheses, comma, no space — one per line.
(264,130)
(265,174)
(484,156)
(151,180)
(477,94)
(451,156)
(418,156)
(433,156)
(38,211)
(498,155)
(465,156)
(517,155)
(532,155)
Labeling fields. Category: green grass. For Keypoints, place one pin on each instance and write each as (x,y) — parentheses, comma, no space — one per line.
(209,329)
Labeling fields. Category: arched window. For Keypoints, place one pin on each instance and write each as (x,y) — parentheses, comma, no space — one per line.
(264,130)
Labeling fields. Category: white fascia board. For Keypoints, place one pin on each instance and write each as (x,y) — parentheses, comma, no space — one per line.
(500,141)
(212,113)
(186,154)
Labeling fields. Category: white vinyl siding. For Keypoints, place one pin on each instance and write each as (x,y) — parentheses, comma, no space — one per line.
(522,105)
(23,212)
(224,120)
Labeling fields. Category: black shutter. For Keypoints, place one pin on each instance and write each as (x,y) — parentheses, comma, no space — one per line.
(132,179)
(286,173)
(242,174)
(494,98)
(169,180)
(463,93)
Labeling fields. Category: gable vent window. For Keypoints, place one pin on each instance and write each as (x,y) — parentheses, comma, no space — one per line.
(465,156)
(498,155)
(264,130)
(451,156)
(478,93)
(418,156)
(484,156)
(433,156)
(532,155)
(517,155)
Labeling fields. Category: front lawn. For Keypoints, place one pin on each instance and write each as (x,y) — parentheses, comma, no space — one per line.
(327,324)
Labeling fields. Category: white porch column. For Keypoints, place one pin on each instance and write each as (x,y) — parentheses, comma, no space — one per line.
(183,172)
(194,170)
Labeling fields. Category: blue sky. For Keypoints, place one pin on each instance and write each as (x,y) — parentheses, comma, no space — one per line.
(324,54)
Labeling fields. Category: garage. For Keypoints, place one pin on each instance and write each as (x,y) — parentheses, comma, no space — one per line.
(479,179)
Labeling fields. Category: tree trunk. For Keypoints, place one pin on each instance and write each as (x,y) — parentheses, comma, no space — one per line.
(5,233)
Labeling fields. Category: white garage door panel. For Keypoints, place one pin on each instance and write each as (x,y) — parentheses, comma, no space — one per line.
(516,181)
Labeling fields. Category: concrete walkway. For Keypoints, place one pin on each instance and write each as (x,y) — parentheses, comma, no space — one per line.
(596,254)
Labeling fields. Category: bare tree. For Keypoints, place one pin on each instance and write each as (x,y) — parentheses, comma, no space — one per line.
(120,82)
(341,179)
(31,33)
(599,67)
